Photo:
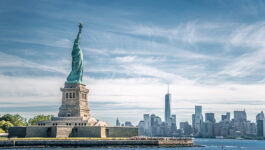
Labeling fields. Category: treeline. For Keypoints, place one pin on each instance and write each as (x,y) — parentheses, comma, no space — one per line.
(8,120)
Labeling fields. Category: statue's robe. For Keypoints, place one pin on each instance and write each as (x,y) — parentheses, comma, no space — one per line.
(76,75)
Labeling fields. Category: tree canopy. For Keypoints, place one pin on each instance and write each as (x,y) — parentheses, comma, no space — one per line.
(5,125)
(8,120)
(2,131)
(16,120)
(34,120)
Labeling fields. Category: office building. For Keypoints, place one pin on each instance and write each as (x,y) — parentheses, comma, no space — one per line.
(167,107)
(209,117)
(259,121)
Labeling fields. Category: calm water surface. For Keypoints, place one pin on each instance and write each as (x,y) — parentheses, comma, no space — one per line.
(209,144)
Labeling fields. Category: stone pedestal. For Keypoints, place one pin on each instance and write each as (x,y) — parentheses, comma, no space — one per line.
(74,101)
(74,109)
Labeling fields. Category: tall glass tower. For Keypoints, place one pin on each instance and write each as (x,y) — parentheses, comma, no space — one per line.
(198,118)
(167,107)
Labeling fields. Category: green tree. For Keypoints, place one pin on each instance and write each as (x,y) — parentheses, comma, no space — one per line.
(2,131)
(34,120)
(2,122)
(5,125)
(16,120)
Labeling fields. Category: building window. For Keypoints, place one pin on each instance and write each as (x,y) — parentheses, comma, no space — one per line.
(74,95)
(84,96)
(67,124)
(66,95)
(75,124)
(70,95)
(85,124)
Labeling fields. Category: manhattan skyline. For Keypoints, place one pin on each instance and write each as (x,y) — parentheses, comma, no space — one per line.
(212,53)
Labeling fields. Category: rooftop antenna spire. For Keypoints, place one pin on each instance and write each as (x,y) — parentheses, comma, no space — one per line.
(168,88)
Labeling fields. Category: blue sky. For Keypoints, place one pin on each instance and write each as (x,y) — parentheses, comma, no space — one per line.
(212,53)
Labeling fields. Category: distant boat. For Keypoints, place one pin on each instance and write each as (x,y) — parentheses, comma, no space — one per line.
(219,137)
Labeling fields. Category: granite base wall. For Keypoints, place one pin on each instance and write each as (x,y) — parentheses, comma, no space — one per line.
(17,132)
(91,131)
(62,132)
(70,131)
(38,131)
(121,131)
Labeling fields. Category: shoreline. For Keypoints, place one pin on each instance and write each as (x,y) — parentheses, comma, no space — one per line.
(233,138)
(82,142)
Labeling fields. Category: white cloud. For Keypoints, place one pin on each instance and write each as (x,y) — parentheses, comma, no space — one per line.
(251,37)
(135,59)
(191,32)
(7,60)
(90,51)
(135,95)
(64,43)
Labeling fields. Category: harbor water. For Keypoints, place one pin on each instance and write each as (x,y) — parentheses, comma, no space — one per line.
(207,144)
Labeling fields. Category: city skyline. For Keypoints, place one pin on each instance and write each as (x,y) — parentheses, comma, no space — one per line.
(212,53)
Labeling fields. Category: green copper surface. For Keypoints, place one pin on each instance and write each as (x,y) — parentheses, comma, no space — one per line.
(76,75)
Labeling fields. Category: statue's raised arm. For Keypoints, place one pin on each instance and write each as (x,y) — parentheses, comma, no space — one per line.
(80,29)
(76,75)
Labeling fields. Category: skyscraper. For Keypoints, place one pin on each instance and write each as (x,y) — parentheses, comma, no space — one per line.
(226,117)
(147,124)
(240,115)
(210,117)
(193,121)
(167,107)
(259,121)
(173,123)
(118,122)
(198,118)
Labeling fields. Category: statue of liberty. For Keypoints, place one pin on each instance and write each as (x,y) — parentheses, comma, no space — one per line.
(76,75)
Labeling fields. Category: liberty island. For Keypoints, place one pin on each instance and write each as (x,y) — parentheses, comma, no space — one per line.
(75,121)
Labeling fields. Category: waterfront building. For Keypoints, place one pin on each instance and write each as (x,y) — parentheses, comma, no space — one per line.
(193,122)
(173,123)
(152,125)
(141,129)
(259,122)
(186,128)
(147,124)
(167,107)
(237,127)
(207,129)
(251,129)
(260,128)
(198,119)
(263,127)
